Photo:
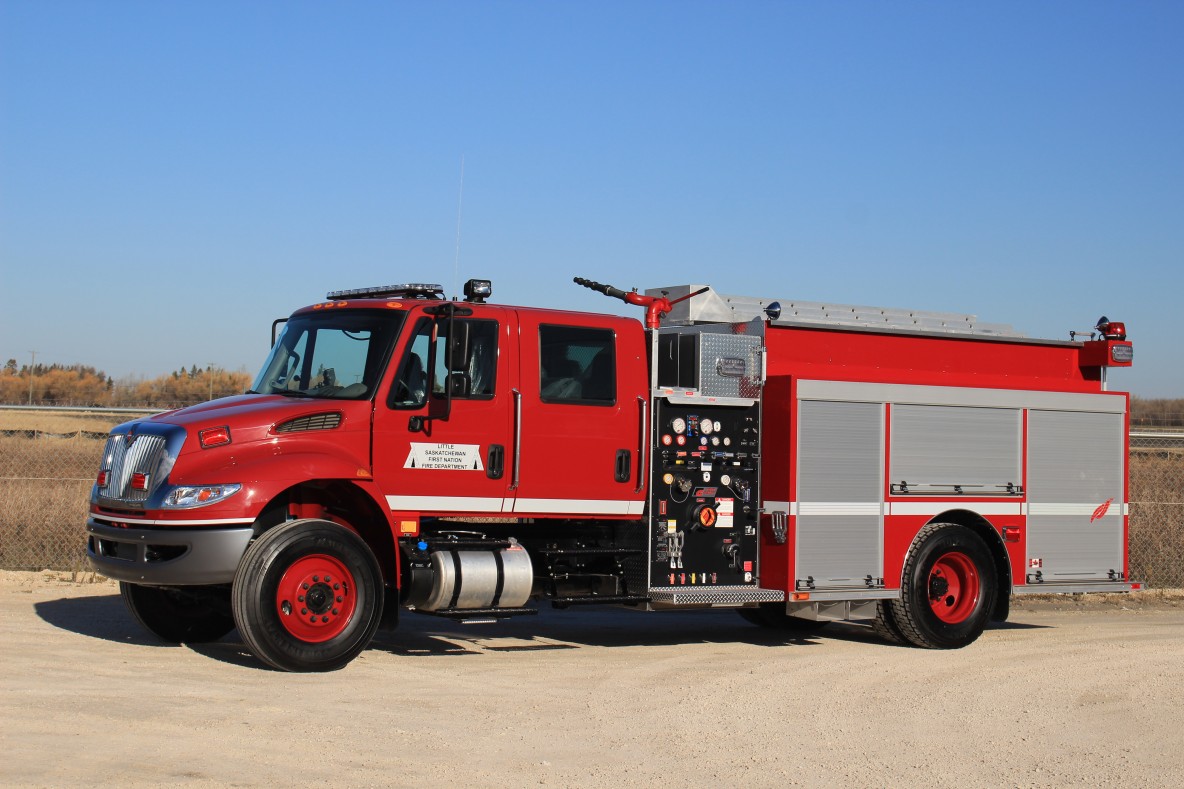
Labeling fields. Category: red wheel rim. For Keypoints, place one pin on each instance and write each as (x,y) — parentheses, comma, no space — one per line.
(953,587)
(316,598)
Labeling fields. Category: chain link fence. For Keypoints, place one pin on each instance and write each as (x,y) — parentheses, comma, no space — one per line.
(1157,508)
(45,482)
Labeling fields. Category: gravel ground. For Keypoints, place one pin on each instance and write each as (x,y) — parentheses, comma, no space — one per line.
(1072,691)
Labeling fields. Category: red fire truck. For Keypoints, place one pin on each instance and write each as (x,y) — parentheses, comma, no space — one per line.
(796,462)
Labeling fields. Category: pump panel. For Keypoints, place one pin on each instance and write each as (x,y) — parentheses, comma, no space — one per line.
(704,495)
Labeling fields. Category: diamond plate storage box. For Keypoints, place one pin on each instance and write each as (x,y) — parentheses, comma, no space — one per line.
(712,363)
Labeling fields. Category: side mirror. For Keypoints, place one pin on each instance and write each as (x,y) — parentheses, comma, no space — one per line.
(275,325)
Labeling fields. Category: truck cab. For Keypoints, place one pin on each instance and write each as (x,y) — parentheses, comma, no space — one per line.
(396,425)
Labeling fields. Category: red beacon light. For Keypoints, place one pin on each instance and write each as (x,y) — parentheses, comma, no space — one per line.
(1111,348)
(1111,330)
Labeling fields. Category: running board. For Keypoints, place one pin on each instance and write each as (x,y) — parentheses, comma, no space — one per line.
(714,595)
(1068,587)
(482,614)
(564,602)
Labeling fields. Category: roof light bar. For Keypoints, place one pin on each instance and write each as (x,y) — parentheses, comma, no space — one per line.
(412,290)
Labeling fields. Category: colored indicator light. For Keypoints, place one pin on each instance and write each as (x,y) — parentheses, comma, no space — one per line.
(101,480)
(214,437)
(139,481)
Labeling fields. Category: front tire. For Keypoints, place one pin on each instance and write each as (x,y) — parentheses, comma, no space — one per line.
(948,588)
(180,615)
(308,596)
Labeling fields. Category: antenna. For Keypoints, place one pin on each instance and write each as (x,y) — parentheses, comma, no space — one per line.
(460,199)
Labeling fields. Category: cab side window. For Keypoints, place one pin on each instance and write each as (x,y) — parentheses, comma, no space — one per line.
(577,365)
(466,361)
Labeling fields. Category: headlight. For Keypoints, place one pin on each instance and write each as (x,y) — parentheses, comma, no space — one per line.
(188,497)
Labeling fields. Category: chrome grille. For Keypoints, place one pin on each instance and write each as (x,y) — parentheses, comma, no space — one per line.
(122,459)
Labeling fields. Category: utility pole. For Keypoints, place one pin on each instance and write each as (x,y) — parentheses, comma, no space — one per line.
(31,366)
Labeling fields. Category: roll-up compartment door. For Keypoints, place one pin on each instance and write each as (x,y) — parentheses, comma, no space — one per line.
(1076,468)
(954,450)
(840,485)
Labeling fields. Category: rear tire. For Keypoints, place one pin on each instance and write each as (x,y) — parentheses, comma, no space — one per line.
(773,615)
(180,615)
(885,626)
(308,596)
(948,588)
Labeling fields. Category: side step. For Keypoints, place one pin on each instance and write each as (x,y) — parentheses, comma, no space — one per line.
(479,613)
(714,595)
(604,599)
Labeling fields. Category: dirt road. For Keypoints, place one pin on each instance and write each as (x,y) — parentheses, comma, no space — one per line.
(1059,696)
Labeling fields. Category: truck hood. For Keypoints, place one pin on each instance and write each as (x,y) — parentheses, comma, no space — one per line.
(255,412)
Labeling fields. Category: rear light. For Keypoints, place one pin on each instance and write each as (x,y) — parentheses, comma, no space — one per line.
(139,481)
(214,437)
(101,480)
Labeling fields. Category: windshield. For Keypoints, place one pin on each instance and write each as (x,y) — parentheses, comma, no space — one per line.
(338,354)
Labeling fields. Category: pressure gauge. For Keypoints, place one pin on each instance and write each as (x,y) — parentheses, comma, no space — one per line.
(725,480)
(715,441)
(727,441)
(706,427)
(678,425)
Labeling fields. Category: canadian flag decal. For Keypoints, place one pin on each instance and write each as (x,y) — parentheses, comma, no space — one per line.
(1101,511)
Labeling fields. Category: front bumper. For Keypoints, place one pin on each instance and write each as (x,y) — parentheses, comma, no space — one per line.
(166,556)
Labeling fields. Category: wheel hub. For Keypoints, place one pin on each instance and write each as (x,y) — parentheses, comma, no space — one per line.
(315,598)
(954,587)
(938,586)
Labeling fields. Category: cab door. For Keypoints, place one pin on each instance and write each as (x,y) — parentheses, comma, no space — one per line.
(440,455)
(580,414)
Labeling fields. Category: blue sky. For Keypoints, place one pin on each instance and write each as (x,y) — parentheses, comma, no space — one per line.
(173,176)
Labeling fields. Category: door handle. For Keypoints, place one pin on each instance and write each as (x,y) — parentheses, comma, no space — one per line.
(623,465)
(495,461)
